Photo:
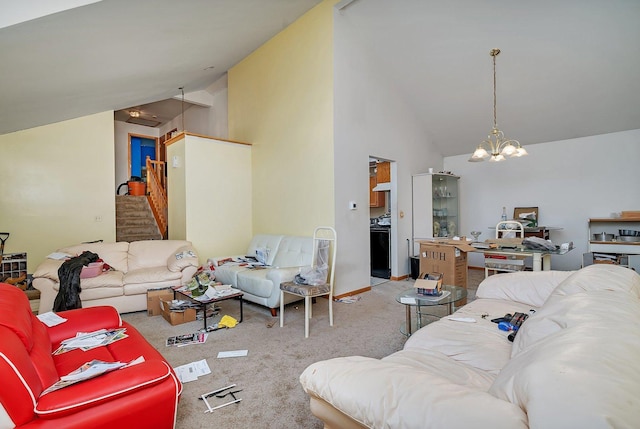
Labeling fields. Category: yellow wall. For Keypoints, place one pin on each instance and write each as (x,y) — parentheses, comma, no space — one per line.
(210,195)
(54,181)
(176,191)
(281,100)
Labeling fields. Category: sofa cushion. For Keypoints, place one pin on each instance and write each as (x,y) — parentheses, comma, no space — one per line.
(576,363)
(150,275)
(256,283)
(600,277)
(114,254)
(228,273)
(152,253)
(480,345)
(270,243)
(532,289)
(294,252)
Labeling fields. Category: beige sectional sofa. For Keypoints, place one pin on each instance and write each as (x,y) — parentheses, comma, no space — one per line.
(137,267)
(285,255)
(573,364)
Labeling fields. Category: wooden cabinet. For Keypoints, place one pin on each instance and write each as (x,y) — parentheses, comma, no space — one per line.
(383,172)
(376,198)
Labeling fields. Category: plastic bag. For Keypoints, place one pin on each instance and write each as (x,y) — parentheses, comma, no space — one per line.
(316,275)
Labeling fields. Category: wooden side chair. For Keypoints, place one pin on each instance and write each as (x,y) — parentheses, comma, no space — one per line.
(325,243)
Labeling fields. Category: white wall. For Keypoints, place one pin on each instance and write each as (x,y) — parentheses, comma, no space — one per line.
(371,118)
(208,121)
(569,180)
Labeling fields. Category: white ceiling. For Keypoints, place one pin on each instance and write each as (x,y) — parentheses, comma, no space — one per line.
(568,68)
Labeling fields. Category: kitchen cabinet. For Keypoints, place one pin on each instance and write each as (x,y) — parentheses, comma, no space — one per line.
(383,172)
(376,198)
(435,206)
(616,249)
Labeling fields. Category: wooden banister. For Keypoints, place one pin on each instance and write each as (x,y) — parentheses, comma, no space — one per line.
(157,194)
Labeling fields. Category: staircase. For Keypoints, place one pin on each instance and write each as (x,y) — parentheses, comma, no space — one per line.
(135,220)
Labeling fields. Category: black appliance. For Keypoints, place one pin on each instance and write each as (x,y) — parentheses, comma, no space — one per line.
(380,252)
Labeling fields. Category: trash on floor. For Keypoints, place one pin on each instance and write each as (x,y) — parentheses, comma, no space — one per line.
(220,393)
(349,299)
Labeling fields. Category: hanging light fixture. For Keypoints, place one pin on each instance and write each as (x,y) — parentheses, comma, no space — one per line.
(496,147)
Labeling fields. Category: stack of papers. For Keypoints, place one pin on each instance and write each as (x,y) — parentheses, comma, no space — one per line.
(88,341)
(191,371)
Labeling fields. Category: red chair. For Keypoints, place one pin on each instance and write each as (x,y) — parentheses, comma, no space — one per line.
(144,395)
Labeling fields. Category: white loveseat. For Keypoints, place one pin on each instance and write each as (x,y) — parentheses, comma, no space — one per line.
(285,255)
(573,364)
(137,267)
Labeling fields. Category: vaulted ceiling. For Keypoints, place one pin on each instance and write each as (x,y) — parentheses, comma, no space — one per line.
(567,69)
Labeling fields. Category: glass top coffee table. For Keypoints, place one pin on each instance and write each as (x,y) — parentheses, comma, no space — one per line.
(204,300)
(411,298)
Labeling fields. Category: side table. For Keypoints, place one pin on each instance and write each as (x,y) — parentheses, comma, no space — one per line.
(410,298)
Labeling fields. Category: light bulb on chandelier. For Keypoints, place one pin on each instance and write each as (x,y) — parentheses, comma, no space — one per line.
(496,147)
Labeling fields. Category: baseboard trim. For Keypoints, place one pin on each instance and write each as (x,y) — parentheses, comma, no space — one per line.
(396,279)
(353,292)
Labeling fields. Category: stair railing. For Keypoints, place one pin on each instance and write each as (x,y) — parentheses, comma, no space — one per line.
(157,194)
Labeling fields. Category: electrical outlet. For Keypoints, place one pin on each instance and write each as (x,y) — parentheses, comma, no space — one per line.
(98,218)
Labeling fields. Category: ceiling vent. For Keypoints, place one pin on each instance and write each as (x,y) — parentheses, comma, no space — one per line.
(142,121)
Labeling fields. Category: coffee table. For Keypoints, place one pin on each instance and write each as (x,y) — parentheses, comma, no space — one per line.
(410,298)
(204,302)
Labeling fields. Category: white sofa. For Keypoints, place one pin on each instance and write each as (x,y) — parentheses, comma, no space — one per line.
(285,255)
(573,364)
(137,267)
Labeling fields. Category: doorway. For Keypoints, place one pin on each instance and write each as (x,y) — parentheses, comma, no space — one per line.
(139,148)
(381,219)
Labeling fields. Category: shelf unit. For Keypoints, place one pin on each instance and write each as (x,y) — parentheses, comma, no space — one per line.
(435,206)
(626,253)
(13,265)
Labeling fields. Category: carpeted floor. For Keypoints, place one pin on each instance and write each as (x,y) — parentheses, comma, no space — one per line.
(271,393)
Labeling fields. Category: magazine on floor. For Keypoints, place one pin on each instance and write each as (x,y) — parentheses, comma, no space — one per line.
(187,339)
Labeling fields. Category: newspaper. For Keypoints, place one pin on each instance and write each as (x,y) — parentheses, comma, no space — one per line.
(87,371)
(90,340)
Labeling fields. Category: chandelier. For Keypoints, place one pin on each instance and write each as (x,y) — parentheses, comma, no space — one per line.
(496,147)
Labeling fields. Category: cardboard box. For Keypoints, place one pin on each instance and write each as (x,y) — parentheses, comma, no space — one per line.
(448,257)
(176,317)
(153,300)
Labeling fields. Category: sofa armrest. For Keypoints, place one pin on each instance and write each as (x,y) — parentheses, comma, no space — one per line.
(531,288)
(379,393)
(184,257)
(103,388)
(83,320)
(48,269)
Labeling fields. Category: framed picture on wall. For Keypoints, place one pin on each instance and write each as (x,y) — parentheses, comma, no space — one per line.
(527,216)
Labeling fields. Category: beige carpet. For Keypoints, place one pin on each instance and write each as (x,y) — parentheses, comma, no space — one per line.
(272,396)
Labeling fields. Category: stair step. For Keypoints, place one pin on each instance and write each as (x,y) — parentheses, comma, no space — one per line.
(135,220)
